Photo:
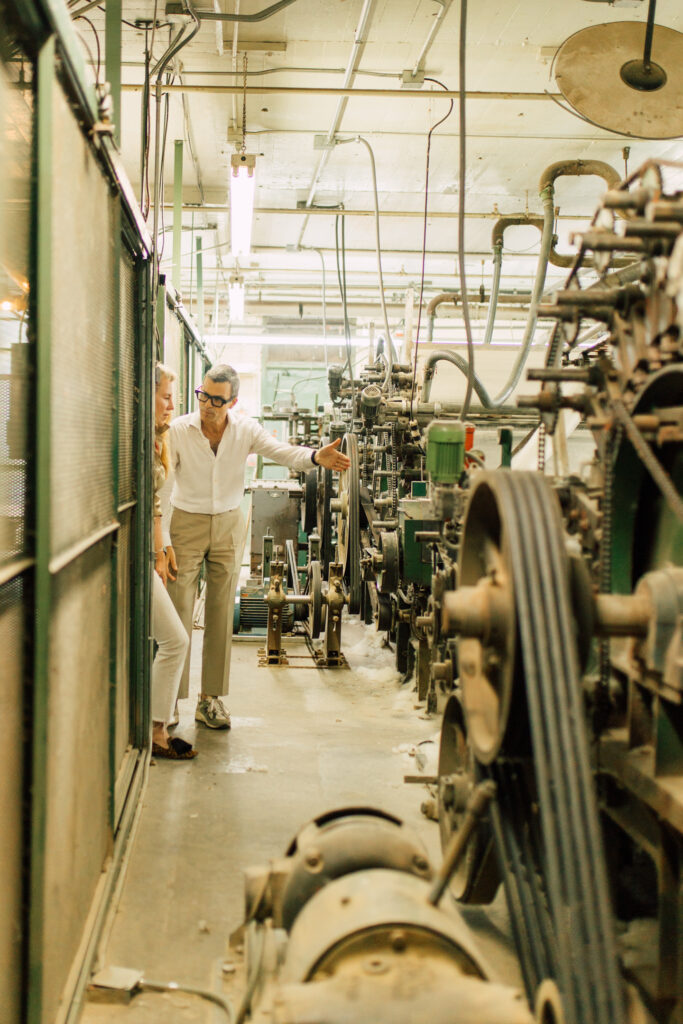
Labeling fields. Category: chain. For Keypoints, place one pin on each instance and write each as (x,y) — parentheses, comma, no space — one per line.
(244,105)
(541,448)
(394,472)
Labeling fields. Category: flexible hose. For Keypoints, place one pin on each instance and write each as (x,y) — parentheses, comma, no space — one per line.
(461,363)
(547,197)
(495,287)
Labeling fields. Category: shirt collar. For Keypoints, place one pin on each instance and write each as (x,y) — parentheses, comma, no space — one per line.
(195,419)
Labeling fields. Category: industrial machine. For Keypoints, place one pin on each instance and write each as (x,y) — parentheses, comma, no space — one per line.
(349,926)
(567,621)
(543,614)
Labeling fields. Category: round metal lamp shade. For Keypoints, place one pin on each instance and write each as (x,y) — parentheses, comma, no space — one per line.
(600,73)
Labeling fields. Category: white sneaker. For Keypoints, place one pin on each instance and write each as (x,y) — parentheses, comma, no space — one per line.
(212,712)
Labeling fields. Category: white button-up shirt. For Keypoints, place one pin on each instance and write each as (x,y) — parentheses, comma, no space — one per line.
(211,484)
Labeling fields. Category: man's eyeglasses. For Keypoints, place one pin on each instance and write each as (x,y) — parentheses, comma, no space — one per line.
(216,401)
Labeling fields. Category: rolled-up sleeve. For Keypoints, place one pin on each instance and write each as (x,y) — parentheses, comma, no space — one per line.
(296,457)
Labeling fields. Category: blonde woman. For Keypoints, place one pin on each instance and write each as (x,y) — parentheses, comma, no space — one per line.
(167,629)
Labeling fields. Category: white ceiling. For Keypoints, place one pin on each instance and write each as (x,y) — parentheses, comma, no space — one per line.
(509,143)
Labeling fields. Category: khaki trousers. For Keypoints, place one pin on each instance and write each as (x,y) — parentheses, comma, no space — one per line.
(218,541)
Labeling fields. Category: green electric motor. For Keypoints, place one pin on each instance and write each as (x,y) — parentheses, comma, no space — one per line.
(445,451)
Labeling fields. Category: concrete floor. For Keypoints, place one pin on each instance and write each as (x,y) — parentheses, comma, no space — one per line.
(303,741)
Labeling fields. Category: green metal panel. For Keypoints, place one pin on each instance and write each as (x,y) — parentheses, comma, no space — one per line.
(46,89)
(177,211)
(414,514)
(141,653)
(200,287)
(115,455)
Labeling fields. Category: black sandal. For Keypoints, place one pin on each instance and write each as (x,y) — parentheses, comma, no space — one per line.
(177,750)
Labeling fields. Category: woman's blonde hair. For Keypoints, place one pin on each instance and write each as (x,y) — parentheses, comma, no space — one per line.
(161,371)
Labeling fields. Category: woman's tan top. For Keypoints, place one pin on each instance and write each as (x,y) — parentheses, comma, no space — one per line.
(158,470)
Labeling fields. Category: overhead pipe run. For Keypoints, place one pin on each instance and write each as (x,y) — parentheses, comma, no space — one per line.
(577,168)
(267,12)
(547,194)
(418,67)
(347,92)
(352,66)
(499,229)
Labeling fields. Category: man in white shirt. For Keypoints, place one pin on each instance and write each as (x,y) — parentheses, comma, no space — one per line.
(209,449)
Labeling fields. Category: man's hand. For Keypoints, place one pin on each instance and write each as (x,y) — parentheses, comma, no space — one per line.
(171,564)
(331,458)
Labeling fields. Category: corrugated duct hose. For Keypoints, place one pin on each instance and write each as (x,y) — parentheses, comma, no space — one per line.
(547,195)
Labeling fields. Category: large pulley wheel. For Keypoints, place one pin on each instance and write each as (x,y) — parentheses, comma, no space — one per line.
(348,522)
(324,494)
(486,657)
(315,608)
(389,577)
(309,503)
(545,818)
(477,878)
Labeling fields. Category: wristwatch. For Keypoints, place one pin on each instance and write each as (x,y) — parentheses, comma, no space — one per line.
(313,457)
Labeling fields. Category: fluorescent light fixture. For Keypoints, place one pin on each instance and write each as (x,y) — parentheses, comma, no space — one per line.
(242,189)
(236,299)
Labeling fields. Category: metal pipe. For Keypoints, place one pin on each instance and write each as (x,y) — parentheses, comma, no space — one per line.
(235,37)
(333,211)
(431,311)
(547,197)
(84,10)
(429,41)
(249,19)
(497,234)
(349,76)
(346,92)
(649,31)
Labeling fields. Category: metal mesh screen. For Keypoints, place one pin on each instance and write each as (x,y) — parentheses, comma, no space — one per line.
(125,571)
(16,130)
(82,337)
(77,835)
(128,380)
(12,645)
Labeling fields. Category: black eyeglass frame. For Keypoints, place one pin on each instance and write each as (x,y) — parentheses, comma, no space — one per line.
(216,401)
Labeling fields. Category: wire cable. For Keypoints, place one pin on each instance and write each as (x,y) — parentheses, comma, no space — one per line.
(98,63)
(159,986)
(424,238)
(462,102)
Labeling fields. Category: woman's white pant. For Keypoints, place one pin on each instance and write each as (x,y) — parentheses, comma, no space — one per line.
(173,641)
